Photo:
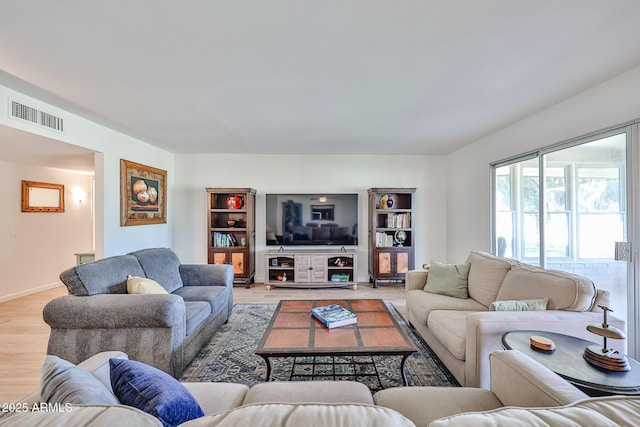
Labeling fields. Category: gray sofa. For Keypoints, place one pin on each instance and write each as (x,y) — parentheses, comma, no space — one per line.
(523,392)
(162,330)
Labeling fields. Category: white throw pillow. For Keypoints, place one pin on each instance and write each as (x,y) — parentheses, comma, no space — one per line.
(63,382)
(144,285)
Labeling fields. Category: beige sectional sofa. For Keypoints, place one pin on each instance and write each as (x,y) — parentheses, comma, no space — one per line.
(521,389)
(463,332)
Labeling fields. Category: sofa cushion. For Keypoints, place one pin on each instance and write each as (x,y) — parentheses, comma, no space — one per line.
(486,275)
(424,404)
(448,279)
(604,411)
(215,397)
(153,391)
(309,392)
(340,233)
(538,304)
(565,291)
(98,366)
(302,233)
(450,328)
(144,285)
(209,294)
(81,415)
(320,233)
(161,265)
(307,414)
(105,276)
(63,382)
(196,312)
(421,304)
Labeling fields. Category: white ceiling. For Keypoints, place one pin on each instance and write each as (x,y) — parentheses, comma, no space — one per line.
(302,76)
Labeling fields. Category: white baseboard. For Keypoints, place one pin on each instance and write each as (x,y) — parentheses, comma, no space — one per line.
(30,291)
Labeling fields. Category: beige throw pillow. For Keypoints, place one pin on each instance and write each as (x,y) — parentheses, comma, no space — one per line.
(144,285)
(448,279)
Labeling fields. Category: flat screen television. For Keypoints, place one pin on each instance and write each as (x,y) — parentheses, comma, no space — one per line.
(312,219)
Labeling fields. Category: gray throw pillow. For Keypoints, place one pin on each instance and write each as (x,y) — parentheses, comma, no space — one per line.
(63,382)
(538,304)
(448,279)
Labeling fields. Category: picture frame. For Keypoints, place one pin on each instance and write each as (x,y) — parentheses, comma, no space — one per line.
(42,197)
(143,194)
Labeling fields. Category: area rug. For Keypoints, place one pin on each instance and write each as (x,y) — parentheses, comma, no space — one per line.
(229,356)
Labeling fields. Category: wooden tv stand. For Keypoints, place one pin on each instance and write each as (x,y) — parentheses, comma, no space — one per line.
(317,268)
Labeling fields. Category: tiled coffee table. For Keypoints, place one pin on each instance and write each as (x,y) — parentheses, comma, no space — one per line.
(293,332)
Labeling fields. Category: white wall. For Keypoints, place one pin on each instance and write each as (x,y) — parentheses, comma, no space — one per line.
(36,246)
(468,180)
(110,238)
(111,146)
(308,174)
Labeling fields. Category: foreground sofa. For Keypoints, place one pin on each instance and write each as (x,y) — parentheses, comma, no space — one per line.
(163,330)
(463,332)
(523,392)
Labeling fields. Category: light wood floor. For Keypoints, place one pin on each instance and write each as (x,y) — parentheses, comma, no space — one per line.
(24,335)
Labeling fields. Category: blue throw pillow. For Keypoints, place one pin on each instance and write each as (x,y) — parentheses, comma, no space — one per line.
(153,391)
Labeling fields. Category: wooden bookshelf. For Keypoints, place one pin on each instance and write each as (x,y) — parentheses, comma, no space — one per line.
(232,231)
(391,233)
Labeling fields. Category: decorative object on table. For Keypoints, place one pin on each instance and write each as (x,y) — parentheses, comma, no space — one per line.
(42,197)
(387,201)
(333,315)
(542,343)
(400,236)
(143,194)
(234,201)
(604,357)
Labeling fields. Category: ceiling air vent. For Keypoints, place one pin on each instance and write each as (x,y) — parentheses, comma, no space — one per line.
(30,114)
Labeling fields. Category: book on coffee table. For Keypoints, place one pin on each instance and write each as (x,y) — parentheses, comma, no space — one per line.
(333,315)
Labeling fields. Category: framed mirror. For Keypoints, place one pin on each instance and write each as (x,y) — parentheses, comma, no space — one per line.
(42,197)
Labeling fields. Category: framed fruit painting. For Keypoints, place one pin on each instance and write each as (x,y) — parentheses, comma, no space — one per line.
(143,194)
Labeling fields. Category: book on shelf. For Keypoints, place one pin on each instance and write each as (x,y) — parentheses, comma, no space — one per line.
(333,315)
(224,240)
(384,240)
(399,220)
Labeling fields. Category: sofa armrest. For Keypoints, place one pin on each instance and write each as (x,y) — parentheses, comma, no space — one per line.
(115,311)
(485,330)
(518,380)
(415,279)
(206,275)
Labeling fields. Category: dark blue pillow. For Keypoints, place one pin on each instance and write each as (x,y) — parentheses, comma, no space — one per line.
(153,391)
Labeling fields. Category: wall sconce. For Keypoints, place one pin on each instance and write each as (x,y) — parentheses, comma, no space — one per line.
(79,195)
(322,199)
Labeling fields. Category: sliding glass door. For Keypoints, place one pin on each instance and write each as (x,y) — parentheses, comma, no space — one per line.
(565,207)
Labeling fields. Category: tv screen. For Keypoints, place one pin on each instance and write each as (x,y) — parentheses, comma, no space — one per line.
(312,219)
